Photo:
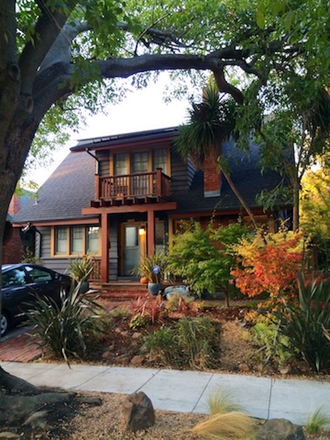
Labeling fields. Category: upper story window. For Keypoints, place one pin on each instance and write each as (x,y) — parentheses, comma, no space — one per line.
(120,164)
(140,162)
(159,159)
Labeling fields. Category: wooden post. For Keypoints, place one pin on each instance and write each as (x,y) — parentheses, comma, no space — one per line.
(97,187)
(151,232)
(105,247)
(158,182)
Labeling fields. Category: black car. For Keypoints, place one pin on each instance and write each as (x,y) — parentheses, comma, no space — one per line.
(20,283)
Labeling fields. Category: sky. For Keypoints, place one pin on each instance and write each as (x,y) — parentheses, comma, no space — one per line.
(141,110)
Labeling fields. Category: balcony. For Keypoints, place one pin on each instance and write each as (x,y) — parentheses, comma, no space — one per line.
(147,187)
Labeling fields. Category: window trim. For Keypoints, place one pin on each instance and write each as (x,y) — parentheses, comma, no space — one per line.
(69,253)
(129,158)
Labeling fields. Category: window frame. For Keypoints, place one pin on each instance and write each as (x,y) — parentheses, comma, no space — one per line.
(130,155)
(69,253)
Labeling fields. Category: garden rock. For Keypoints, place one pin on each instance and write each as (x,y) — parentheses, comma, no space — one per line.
(139,412)
(137,360)
(280,429)
(172,291)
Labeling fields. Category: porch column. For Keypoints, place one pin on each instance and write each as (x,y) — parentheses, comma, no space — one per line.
(151,232)
(104,247)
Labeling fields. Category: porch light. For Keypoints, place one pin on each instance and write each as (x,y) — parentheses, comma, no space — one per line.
(142,230)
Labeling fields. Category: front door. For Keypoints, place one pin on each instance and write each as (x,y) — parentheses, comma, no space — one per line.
(133,247)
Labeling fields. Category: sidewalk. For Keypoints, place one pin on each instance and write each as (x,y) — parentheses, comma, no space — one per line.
(186,391)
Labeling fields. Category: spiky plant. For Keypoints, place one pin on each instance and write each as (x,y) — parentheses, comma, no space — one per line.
(317,420)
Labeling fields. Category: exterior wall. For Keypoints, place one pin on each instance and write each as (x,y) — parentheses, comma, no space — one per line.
(180,173)
(104,162)
(59,264)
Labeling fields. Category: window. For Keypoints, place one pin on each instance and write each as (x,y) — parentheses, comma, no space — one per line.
(160,159)
(15,277)
(160,236)
(38,275)
(61,241)
(140,162)
(76,240)
(92,239)
(120,164)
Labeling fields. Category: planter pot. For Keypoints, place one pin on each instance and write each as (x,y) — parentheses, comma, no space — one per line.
(154,288)
(84,287)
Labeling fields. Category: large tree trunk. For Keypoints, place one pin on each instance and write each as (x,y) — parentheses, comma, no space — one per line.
(296,195)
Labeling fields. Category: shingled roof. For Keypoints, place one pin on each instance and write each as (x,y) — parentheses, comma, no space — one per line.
(66,191)
(71,186)
(246,174)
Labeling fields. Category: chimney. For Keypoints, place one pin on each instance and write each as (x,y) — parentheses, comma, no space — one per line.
(212,178)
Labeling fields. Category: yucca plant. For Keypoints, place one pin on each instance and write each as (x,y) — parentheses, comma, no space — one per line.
(62,328)
(305,322)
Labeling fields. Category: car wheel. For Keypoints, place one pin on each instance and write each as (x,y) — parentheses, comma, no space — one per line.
(4,323)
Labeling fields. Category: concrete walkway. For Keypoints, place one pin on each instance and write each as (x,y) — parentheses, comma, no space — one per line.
(186,391)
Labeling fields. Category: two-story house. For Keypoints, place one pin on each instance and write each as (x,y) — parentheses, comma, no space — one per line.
(121,197)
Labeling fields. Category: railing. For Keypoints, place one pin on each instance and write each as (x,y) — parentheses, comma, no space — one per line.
(96,272)
(154,184)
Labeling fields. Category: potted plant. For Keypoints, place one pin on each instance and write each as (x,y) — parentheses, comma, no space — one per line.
(80,269)
(153,268)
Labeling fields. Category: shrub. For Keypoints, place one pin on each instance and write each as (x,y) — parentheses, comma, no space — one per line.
(305,322)
(182,305)
(161,346)
(62,328)
(269,267)
(193,342)
(202,259)
(150,306)
(139,320)
(274,346)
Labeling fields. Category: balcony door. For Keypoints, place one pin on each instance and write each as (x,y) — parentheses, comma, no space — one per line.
(134,247)
(139,165)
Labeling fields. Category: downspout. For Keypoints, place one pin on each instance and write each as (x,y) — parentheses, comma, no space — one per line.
(97,165)
(40,242)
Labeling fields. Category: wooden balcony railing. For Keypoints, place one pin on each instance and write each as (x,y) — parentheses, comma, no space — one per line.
(151,184)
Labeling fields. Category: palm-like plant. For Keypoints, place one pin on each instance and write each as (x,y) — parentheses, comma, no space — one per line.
(210,123)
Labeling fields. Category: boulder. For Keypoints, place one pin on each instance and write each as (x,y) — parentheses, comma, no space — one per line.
(171,291)
(280,429)
(138,411)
